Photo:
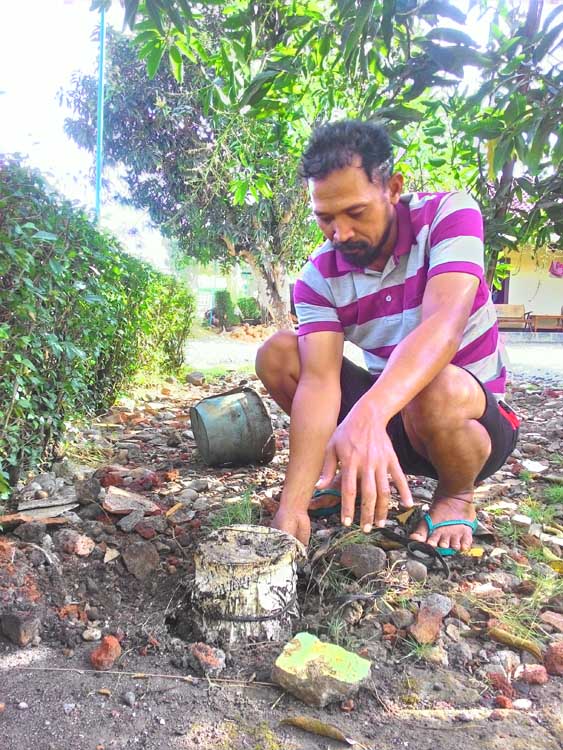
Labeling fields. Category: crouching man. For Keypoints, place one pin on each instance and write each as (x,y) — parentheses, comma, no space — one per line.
(401,276)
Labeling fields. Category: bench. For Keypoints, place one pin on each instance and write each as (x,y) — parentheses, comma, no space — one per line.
(513,317)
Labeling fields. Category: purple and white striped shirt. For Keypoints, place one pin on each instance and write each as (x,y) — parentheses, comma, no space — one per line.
(437,233)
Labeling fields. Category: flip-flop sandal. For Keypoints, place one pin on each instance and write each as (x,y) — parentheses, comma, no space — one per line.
(421,551)
(329,510)
(448,551)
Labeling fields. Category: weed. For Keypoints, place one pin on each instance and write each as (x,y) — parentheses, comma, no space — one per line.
(525,476)
(557,459)
(418,651)
(510,534)
(537,511)
(337,632)
(521,617)
(540,554)
(554,494)
(242,511)
(87,453)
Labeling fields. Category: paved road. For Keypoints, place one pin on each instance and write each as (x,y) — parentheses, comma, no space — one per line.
(526,360)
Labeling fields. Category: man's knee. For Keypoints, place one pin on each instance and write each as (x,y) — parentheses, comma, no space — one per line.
(276,354)
(453,392)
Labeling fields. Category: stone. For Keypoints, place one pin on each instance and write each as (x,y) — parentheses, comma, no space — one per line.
(523,522)
(92,634)
(436,655)
(553,659)
(422,494)
(417,571)
(205,659)
(363,560)
(447,688)
(509,660)
(195,378)
(140,559)
(33,531)
(128,523)
(199,485)
(20,627)
(533,674)
(319,673)
(73,543)
(429,618)
(402,618)
(122,502)
(129,699)
(522,704)
(555,619)
(460,653)
(104,657)
(87,490)
(186,496)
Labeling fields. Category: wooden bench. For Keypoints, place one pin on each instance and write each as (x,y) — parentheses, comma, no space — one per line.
(513,317)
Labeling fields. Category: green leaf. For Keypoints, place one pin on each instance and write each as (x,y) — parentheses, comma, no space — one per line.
(258,87)
(153,60)
(362,19)
(546,42)
(540,140)
(45,236)
(437,162)
(400,112)
(451,35)
(441,8)
(176,64)
(131,7)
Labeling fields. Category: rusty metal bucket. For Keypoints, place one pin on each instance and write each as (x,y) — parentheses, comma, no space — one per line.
(233,428)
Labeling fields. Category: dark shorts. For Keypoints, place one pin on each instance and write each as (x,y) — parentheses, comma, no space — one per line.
(499,420)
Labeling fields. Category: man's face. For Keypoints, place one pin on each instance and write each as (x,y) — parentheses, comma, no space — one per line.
(357,215)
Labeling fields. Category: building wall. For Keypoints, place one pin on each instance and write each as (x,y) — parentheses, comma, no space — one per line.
(532,285)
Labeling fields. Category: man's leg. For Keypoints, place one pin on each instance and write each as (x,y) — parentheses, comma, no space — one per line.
(441,426)
(278,367)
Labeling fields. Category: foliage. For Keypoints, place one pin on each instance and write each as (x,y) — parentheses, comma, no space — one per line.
(249,308)
(242,511)
(77,317)
(223,187)
(296,62)
(224,308)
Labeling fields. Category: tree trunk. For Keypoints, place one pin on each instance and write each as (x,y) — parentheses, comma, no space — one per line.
(274,285)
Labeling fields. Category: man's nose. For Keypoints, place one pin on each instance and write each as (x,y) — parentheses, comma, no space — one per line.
(342,231)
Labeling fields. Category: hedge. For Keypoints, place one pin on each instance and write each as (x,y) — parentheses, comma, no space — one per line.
(78,317)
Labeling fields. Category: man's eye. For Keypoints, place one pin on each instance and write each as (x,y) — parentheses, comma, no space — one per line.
(356,214)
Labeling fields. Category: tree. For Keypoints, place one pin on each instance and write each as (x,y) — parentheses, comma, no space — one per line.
(224,188)
(306,60)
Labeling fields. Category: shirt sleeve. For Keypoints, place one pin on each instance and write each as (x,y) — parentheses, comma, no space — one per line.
(314,303)
(456,237)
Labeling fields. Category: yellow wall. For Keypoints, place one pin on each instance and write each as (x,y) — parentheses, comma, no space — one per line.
(532,285)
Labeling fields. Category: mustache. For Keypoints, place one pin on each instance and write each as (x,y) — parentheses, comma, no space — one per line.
(347,247)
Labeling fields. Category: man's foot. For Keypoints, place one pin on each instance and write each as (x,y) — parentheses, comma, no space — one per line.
(447,508)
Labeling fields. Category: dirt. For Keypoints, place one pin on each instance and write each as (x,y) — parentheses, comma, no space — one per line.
(50,697)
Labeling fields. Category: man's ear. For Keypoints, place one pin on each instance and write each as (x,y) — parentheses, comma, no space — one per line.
(395,187)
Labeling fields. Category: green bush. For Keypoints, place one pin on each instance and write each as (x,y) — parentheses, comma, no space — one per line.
(224,308)
(77,318)
(249,308)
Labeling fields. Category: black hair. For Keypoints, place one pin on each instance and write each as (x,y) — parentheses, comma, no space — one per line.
(334,145)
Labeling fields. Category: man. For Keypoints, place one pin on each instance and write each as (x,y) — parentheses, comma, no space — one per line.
(402,276)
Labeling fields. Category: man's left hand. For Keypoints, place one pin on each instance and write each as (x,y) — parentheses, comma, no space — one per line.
(361,446)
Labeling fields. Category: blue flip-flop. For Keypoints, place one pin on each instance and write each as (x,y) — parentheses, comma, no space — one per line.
(329,510)
(448,551)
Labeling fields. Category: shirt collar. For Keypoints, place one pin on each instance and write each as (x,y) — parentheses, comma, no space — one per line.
(405,239)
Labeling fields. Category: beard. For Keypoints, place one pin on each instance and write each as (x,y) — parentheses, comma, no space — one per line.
(362,253)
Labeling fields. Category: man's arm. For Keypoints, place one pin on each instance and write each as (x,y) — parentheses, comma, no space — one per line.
(314,414)
(361,443)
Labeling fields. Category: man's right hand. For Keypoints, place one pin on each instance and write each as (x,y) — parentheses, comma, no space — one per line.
(296,523)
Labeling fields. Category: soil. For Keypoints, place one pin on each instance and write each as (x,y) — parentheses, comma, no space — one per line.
(420,696)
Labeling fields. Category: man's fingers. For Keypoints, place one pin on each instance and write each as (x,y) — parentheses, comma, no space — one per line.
(348,492)
(329,468)
(401,484)
(369,497)
(383,495)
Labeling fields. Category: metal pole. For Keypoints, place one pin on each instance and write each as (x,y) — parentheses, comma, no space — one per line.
(100,115)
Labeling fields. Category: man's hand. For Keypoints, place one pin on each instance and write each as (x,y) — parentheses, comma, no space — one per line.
(296,523)
(365,453)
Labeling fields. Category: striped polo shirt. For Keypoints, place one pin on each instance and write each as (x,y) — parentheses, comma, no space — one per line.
(437,233)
